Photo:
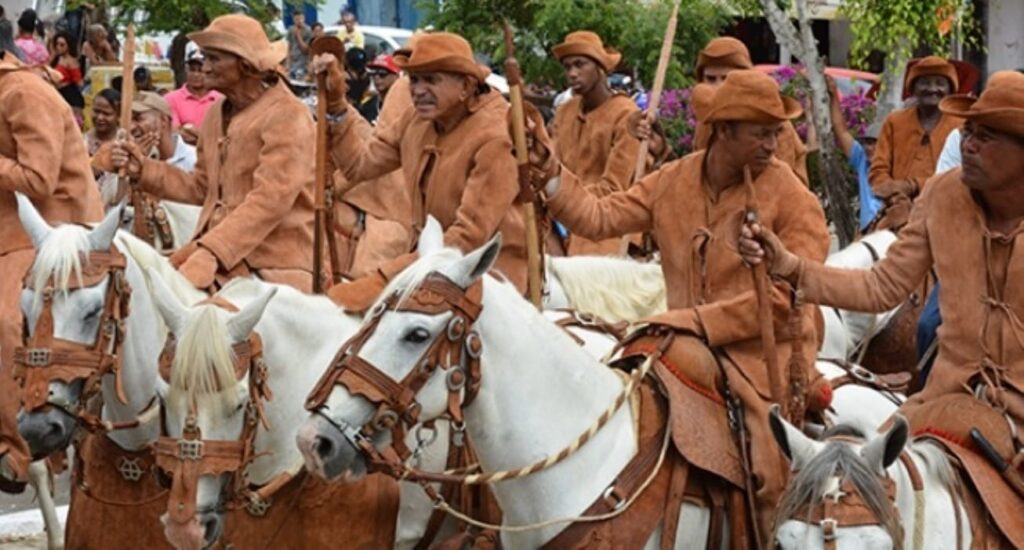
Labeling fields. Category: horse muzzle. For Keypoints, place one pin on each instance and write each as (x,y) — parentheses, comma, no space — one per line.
(46,432)
(327,451)
(201,531)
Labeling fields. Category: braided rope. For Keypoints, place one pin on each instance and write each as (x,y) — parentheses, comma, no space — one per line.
(569,450)
(919,504)
(440,504)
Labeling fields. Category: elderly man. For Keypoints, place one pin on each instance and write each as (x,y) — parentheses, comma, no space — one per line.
(453,148)
(694,208)
(911,139)
(42,155)
(253,175)
(722,56)
(968,225)
(593,140)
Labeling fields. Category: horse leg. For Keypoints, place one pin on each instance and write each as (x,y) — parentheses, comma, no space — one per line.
(39,478)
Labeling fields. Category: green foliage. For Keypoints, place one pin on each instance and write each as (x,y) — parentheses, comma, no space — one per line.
(898,26)
(186,15)
(634,27)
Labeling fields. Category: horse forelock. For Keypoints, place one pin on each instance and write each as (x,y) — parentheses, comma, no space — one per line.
(148,258)
(204,360)
(838,459)
(614,289)
(59,257)
(405,283)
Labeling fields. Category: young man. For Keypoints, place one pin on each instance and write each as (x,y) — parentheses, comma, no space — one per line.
(593,139)
(967,225)
(858,153)
(253,175)
(384,73)
(453,147)
(190,103)
(350,35)
(152,125)
(912,139)
(299,39)
(42,155)
(722,56)
(694,208)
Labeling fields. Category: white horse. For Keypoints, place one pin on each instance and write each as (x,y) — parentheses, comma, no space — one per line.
(181,218)
(539,390)
(822,470)
(75,318)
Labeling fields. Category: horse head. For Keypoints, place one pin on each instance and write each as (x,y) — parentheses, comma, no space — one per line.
(212,390)
(67,303)
(840,494)
(412,361)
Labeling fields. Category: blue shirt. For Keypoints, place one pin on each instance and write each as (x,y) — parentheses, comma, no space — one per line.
(869,203)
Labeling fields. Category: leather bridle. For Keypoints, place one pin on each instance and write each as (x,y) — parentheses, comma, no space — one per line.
(456,352)
(44,358)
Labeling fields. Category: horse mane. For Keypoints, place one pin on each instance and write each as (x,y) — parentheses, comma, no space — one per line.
(410,279)
(614,289)
(59,256)
(204,361)
(807,488)
(148,257)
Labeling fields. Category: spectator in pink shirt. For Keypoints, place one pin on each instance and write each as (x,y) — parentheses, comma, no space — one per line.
(33,48)
(190,102)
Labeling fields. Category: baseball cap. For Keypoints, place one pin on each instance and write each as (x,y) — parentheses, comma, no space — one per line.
(193,54)
(150,101)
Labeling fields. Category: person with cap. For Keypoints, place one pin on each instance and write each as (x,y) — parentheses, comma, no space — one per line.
(694,208)
(153,129)
(593,140)
(43,156)
(453,147)
(722,56)
(384,73)
(253,175)
(190,103)
(912,139)
(968,226)
(360,92)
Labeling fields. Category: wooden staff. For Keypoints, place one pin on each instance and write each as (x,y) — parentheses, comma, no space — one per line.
(659,85)
(533,250)
(127,95)
(321,216)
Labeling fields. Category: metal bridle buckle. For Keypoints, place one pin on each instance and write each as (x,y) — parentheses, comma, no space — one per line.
(38,357)
(190,449)
(863,374)
(828,529)
(610,493)
(456,379)
(456,328)
(385,420)
(256,505)
(474,346)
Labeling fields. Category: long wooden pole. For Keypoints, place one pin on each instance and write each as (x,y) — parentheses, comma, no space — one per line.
(659,85)
(320,201)
(533,250)
(127,95)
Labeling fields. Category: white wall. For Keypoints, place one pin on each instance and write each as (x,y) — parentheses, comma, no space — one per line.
(1005,35)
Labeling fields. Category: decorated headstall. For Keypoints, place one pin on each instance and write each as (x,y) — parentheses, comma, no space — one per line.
(44,358)
(456,352)
(190,456)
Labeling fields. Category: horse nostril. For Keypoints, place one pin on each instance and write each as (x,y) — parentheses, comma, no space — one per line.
(211,528)
(324,447)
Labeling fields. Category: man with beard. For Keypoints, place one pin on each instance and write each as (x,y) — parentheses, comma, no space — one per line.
(911,139)
(593,139)
(42,155)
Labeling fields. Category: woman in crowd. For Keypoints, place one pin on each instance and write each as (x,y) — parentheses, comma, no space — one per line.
(106,108)
(68,63)
(34,49)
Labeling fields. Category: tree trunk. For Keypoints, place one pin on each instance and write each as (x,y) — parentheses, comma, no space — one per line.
(800,41)
(890,97)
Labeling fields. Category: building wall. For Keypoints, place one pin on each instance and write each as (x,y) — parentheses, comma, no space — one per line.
(1005,31)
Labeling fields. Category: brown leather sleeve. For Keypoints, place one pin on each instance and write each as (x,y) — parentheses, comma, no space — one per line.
(621,164)
(285,161)
(614,215)
(885,285)
(361,157)
(491,187)
(171,183)
(36,122)
(882,160)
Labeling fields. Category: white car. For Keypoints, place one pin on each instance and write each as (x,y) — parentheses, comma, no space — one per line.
(387,40)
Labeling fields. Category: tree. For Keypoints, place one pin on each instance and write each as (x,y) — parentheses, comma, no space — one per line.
(634,27)
(897,27)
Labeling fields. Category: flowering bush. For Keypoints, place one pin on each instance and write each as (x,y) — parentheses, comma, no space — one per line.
(678,119)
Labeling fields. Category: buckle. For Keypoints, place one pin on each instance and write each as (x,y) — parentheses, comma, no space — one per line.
(456,328)
(256,505)
(828,529)
(612,493)
(38,357)
(863,374)
(190,449)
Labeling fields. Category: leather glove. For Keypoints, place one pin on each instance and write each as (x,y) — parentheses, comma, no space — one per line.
(896,213)
(337,87)
(357,296)
(183,253)
(891,188)
(200,268)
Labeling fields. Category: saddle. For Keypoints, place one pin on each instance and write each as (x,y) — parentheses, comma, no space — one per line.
(949,420)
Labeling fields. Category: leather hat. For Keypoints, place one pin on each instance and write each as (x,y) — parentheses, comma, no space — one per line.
(930,66)
(441,51)
(588,44)
(240,35)
(751,96)
(1000,106)
(700,99)
(724,51)
(151,101)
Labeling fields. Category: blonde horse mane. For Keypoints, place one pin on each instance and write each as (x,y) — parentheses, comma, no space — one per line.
(203,361)
(60,256)
(614,289)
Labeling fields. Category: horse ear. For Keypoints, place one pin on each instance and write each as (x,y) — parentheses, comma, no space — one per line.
(32,220)
(102,236)
(170,307)
(431,238)
(476,263)
(883,450)
(242,323)
(797,447)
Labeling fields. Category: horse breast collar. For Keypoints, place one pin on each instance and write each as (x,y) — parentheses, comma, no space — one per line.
(457,352)
(189,457)
(45,358)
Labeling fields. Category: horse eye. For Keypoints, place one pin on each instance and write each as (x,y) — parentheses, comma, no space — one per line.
(93,314)
(417,336)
